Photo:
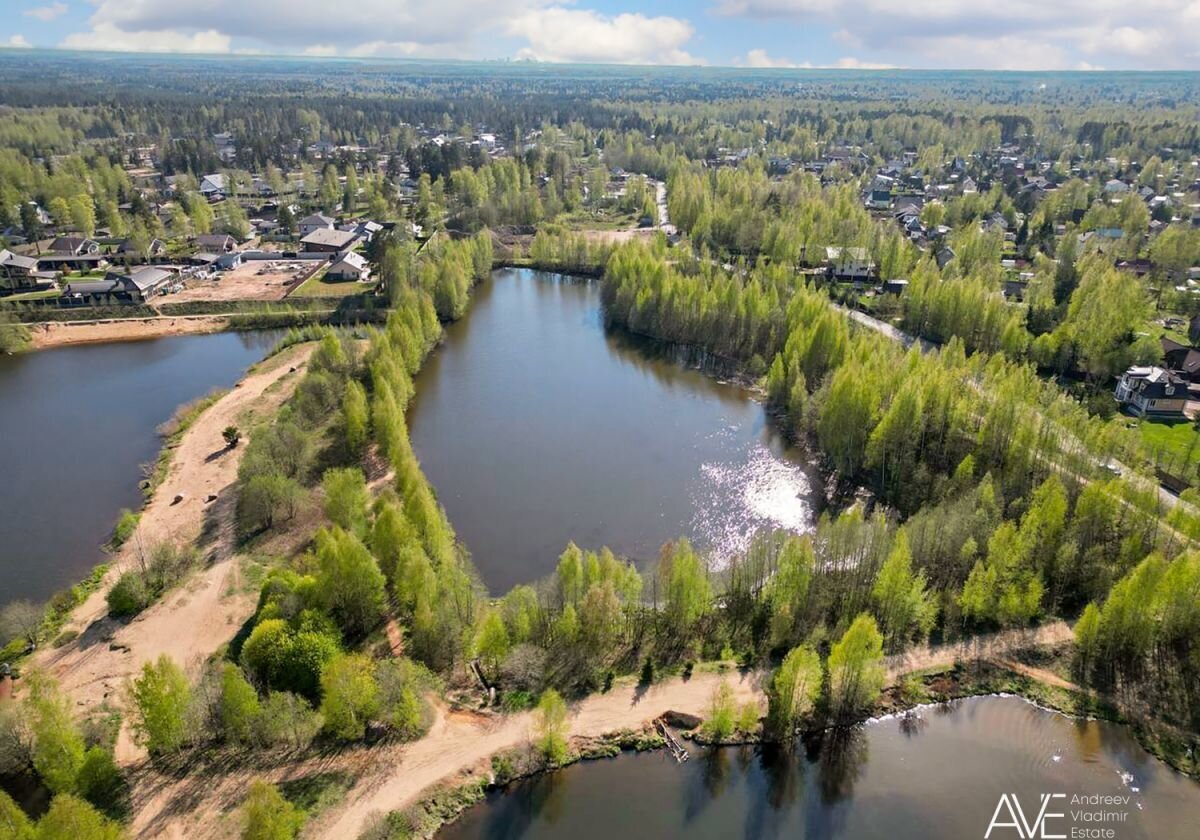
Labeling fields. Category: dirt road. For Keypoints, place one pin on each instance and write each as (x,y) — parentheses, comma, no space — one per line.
(393,776)
(190,623)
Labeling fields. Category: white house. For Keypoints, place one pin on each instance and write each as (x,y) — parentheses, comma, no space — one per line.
(349,266)
(212,186)
(849,263)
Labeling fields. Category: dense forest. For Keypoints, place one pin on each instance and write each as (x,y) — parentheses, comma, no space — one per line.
(972,492)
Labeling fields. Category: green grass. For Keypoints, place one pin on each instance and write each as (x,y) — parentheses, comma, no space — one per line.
(315,286)
(1180,439)
(45,293)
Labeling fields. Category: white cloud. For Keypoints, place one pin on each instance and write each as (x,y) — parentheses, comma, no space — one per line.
(851,63)
(373,27)
(559,34)
(760,58)
(16,42)
(1016,34)
(47,13)
(105,36)
(545,30)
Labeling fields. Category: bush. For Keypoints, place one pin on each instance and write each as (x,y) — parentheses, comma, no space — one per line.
(128,596)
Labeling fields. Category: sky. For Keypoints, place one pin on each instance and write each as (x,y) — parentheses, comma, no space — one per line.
(865,34)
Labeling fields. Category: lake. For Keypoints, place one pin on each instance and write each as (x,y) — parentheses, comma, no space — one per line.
(537,426)
(78,424)
(939,777)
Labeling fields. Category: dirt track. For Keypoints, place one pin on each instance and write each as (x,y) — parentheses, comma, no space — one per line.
(193,621)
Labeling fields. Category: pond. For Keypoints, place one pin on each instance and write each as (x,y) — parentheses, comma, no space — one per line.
(938,776)
(537,426)
(78,422)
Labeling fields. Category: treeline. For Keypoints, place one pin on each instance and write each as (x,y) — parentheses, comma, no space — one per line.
(996,471)
(792,221)
(1081,316)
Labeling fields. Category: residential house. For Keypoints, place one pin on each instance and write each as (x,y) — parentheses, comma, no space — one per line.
(129,248)
(1152,391)
(349,266)
(1116,187)
(363,229)
(221,243)
(943,255)
(213,187)
(74,245)
(22,274)
(327,240)
(317,221)
(848,263)
(1181,359)
(72,262)
(118,289)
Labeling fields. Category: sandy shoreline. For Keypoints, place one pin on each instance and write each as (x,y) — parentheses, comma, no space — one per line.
(62,333)
(192,621)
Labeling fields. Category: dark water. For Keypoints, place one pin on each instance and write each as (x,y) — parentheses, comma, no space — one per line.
(940,779)
(77,423)
(537,427)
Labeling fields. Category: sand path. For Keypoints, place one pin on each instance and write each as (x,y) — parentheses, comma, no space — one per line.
(392,776)
(191,622)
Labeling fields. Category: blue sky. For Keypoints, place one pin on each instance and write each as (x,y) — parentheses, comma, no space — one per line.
(1002,34)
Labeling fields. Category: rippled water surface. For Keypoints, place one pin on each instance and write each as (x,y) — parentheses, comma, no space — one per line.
(77,424)
(939,777)
(538,426)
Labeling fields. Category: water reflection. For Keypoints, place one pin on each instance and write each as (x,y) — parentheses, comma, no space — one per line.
(537,426)
(876,781)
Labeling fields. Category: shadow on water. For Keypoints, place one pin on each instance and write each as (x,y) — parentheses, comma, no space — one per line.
(515,810)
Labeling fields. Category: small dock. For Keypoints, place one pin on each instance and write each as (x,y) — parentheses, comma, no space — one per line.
(678,752)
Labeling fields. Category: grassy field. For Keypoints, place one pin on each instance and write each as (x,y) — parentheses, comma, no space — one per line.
(316,286)
(45,293)
(1181,438)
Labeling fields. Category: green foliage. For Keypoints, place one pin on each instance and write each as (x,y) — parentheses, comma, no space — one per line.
(720,722)
(856,672)
(127,523)
(684,581)
(550,727)
(356,417)
(268,816)
(13,822)
(58,748)
(238,707)
(349,696)
(161,698)
(71,818)
(346,499)
(902,603)
(794,688)
(290,658)
(351,586)
(288,719)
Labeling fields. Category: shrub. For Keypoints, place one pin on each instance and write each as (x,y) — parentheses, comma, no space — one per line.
(128,596)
